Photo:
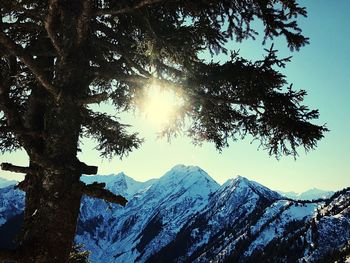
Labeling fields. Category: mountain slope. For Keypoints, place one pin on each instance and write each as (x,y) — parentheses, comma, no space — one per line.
(230,211)
(270,230)
(325,237)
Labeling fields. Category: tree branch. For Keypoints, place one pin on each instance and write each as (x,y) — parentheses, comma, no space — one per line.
(97,98)
(135,65)
(49,25)
(82,167)
(137,79)
(87,169)
(122,9)
(108,72)
(16,169)
(18,51)
(97,190)
(14,122)
(121,52)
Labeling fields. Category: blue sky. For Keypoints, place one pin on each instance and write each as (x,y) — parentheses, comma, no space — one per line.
(322,68)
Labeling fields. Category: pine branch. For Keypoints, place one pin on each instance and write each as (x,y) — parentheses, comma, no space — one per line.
(97,190)
(122,9)
(14,122)
(133,64)
(97,98)
(18,51)
(108,71)
(121,52)
(7,105)
(16,169)
(110,135)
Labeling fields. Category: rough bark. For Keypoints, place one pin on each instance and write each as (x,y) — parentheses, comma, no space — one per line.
(52,208)
(53,192)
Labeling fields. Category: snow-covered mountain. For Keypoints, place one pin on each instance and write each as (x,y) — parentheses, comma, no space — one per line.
(153,216)
(185,216)
(311,194)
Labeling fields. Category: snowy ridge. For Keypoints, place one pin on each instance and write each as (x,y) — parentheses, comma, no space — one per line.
(120,183)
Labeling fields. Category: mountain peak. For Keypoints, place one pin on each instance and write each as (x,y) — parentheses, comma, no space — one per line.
(241,179)
(182,172)
(240,182)
(118,183)
(184,168)
(233,182)
(191,179)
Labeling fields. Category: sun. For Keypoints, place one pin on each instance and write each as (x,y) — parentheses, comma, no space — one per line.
(160,105)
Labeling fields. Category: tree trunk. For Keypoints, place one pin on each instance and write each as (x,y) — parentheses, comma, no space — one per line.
(52,208)
(54,190)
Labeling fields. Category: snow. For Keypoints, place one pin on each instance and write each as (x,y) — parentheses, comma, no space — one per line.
(295,212)
(269,213)
(299,211)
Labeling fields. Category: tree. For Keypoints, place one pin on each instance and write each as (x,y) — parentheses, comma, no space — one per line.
(58,57)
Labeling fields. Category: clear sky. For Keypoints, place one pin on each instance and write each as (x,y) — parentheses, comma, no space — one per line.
(322,68)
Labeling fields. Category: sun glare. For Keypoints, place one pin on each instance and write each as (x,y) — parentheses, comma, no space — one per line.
(160,105)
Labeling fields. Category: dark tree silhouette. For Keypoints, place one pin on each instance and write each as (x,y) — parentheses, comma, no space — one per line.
(58,57)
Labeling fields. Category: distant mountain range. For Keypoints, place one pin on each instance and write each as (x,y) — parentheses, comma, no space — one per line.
(185,216)
(312,194)
(4,182)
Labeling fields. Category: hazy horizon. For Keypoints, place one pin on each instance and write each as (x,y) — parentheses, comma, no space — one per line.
(170,168)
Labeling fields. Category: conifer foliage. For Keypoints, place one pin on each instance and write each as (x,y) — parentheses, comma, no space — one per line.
(59,57)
